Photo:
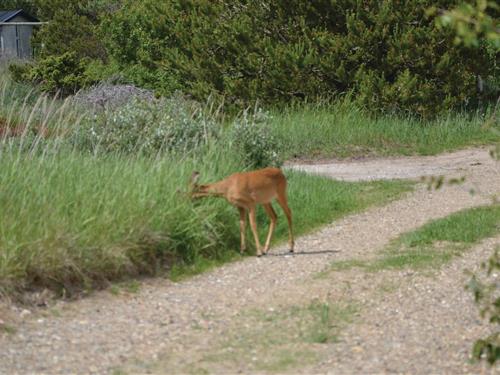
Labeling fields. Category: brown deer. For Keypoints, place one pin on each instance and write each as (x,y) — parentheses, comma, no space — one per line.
(246,190)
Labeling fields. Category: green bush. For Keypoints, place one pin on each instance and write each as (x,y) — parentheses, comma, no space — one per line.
(63,74)
(19,72)
(253,140)
(147,127)
(72,27)
(391,55)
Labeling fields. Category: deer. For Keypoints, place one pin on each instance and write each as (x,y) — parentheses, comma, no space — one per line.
(245,191)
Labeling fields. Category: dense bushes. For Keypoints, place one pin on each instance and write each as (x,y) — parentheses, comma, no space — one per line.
(147,127)
(390,54)
(64,74)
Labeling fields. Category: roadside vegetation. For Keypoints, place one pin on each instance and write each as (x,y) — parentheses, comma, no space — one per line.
(91,196)
(434,244)
(343,129)
(390,57)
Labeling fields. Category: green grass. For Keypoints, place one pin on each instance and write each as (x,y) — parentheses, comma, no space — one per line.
(434,244)
(343,130)
(71,220)
(7,329)
(328,320)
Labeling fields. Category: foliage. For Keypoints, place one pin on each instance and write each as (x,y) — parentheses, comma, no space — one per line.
(69,48)
(435,243)
(487,297)
(73,27)
(391,55)
(342,129)
(253,140)
(146,127)
(473,22)
(27,5)
(64,74)
(71,220)
(476,25)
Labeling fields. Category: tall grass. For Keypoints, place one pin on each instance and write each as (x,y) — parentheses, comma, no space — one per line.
(71,219)
(343,129)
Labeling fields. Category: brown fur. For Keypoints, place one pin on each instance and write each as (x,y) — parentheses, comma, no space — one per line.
(246,190)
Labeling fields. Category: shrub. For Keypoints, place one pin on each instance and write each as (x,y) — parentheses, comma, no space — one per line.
(391,55)
(63,74)
(253,141)
(147,127)
(73,27)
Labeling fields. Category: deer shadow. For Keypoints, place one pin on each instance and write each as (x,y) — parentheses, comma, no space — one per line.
(289,254)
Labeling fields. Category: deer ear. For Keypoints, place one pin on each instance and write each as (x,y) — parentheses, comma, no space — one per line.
(194,177)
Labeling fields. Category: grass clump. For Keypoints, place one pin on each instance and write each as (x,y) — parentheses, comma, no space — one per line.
(434,244)
(73,220)
(344,130)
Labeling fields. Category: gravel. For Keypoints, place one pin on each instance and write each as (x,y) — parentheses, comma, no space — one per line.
(424,325)
(412,167)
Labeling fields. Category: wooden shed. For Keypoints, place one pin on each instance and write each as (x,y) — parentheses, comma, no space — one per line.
(16,28)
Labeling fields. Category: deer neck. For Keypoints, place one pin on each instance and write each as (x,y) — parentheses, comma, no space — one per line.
(217,189)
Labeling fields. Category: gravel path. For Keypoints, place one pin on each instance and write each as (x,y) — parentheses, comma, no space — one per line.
(411,167)
(407,323)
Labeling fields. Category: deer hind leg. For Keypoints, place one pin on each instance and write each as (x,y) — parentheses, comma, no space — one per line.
(253,225)
(282,200)
(243,224)
(273,217)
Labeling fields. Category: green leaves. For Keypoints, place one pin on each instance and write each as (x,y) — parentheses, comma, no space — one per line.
(383,52)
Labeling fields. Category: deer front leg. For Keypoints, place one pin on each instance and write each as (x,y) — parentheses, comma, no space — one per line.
(243,224)
(253,225)
(273,217)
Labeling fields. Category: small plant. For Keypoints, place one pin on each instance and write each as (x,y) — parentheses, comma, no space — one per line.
(253,140)
(487,297)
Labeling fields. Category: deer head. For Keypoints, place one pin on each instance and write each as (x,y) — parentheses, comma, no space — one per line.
(194,189)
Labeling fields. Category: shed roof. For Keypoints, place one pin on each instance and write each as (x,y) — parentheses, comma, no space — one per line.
(7,15)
